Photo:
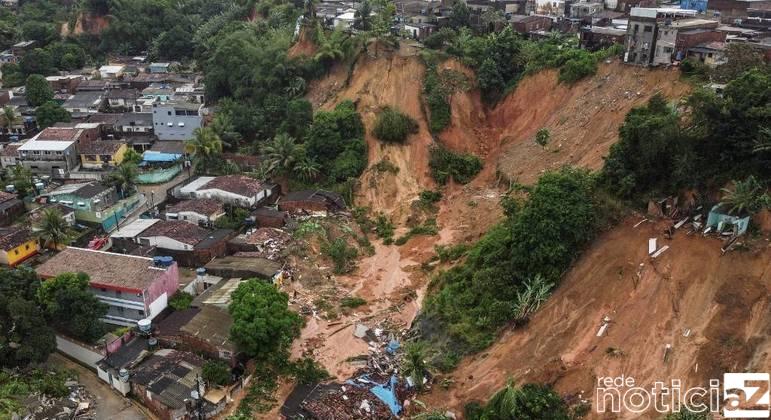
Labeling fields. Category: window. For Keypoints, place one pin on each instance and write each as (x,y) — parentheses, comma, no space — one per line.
(647,28)
(120,309)
(16,251)
(169,112)
(26,247)
(141,312)
(181,124)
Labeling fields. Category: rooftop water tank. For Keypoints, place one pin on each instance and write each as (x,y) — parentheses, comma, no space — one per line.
(144,325)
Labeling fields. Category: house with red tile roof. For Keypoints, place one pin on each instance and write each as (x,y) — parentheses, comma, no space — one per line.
(133,287)
(237,190)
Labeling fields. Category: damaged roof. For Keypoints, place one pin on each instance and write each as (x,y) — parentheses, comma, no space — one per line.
(11,237)
(236,184)
(204,206)
(180,231)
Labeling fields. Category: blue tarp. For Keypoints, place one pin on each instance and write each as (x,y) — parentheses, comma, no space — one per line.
(160,157)
(393,345)
(384,392)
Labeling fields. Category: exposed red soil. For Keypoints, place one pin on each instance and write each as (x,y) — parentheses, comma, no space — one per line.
(86,24)
(723,300)
(304,46)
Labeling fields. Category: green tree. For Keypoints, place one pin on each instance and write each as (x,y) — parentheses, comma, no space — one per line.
(37,61)
(393,126)
(132,156)
(460,15)
(746,197)
(38,91)
(362,19)
(71,307)
(532,401)
(205,144)
(307,169)
(49,114)
(414,364)
(54,230)
(21,178)
(9,118)
(263,326)
(342,254)
(216,372)
(24,332)
(330,47)
(282,153)
(124,178)
(222,126)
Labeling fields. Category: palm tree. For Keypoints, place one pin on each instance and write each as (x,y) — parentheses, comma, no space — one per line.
(282,153)
(330,47)
(222,125)
(53,228)
(747,196)
(763,142)
(205,144)
(414,364)
(124,178)
(8,118)
(307,169)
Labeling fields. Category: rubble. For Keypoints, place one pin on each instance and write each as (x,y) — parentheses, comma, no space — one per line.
(78,404)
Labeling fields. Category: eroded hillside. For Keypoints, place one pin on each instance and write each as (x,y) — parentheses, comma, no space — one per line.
(712,309)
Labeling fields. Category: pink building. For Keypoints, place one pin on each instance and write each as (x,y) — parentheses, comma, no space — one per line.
(134,287)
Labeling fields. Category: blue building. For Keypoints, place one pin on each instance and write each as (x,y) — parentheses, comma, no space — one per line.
(698,5)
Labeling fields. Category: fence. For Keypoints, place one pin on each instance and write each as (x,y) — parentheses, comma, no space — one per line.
(159,176)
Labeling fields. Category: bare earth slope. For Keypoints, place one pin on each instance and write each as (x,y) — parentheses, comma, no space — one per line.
(723,301)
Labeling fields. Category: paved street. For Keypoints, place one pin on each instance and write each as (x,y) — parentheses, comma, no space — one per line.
(109,404)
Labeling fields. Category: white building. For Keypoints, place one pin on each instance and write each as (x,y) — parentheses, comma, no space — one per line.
(238,190)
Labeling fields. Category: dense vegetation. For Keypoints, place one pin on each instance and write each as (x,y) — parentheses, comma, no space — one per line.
(393,126)
(510,271)
(531,401)
(501,59)
(446,164)
(724,137)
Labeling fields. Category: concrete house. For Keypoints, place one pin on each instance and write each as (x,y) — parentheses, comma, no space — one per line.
(642,32)
(189,244)
(122,98)
(10,208)
(720,220)
(237,190)
(52,152)
(198,211)
(112,71)
(177,120)
(159,67)
(16,245)
(311,201)
(133,287)
(84,103)
(101,154)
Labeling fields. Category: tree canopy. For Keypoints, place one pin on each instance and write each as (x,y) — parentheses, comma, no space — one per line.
(71,307)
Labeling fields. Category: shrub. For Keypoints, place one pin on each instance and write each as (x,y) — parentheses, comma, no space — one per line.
(341,253)
(352,302)
(384,228)
(430,197)
(444,164)
(216,372)
(181,301)
(575,69)
(542,137)
(393,126)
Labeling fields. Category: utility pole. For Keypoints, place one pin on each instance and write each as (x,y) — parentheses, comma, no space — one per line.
(199,398)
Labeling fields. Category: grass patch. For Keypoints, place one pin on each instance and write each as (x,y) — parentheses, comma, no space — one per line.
(352,302)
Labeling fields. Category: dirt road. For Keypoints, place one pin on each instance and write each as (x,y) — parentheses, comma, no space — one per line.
(109,404)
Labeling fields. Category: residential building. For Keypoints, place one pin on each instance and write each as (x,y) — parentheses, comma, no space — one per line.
(20,48)
(9,155)
(419,31)
(177,120)
(584,9)
(125,99)
(190,92)
(112,71)
(594,38)
(237,190)
(710,53)
(65,84)
(102,154)
(126,238)
(92,85)
(52,152)
(95,204)
(233,267)
(159,67)
(674,38)
(200,330)
(135,123)
(191,245)
(10,208)
(36,215)
(133,287)
(199,211)
(16,245)
(162,92)
(268,217)
(529,24)
(84,102)
(311,201)
(144,104)
(164,383)
(642,32)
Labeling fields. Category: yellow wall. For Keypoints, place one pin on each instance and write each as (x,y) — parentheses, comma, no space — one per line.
(20,253)
(115,159)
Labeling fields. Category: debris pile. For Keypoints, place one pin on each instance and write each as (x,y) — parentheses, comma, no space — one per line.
(262,242)
(78,404)
(376,391)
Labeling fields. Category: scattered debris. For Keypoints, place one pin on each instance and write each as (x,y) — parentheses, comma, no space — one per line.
(660,251)
(78,404)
